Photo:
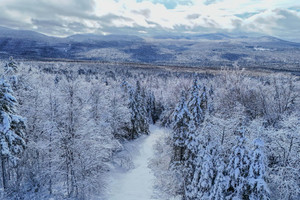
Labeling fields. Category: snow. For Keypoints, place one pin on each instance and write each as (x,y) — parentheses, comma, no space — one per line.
(136,184)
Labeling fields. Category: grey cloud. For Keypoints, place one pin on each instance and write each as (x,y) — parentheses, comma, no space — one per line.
(144,12)
(153,23)
(8,22)
(290,19)
(237,23)
(210,22)
(193,16)
(283,23)
(109,18)
(77,16)
(43,9)
(50,23)
(48,17)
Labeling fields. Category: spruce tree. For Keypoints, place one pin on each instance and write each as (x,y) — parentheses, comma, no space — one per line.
(205,173)
(181,118)
(11,67)
(139,118)
(258,186)
(143,116)
(195,103)
(150,106)
(197,106)
(10,71)
(190,155)
(204,100)
(218,189)
(12,139)
(134,115)
(238,170)
(210,106)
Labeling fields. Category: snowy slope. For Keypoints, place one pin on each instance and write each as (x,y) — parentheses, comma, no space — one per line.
(136,184)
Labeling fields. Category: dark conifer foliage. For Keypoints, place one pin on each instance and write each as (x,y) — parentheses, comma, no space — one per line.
(12,136)
(139,114)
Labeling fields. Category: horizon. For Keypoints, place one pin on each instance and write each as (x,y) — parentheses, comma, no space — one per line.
(163,35)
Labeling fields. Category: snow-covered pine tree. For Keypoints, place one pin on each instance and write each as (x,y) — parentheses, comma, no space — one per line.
(141,97)
(12,139)
(210,106)
(204,100)
(194,104)
(211,91)
(181,117)
(205,173)
(191,142)
(191,145)
(258,186)
(219,186)
(238,170)
(11,67)
(133,118)
(139,118)
(10,70)
(150,105)
(125,86)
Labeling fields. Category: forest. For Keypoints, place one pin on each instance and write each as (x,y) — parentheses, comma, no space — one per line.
(232,133)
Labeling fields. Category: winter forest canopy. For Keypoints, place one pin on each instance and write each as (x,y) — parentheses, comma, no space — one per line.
(230,133)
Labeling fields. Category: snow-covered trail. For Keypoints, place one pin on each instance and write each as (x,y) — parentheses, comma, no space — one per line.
(136,184)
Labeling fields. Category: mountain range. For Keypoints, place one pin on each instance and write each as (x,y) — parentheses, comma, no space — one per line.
(195,50)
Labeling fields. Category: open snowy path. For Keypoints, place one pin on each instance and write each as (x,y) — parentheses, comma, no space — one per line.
(137,184)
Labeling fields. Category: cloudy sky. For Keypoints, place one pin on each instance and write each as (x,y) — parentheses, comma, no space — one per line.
(280,18)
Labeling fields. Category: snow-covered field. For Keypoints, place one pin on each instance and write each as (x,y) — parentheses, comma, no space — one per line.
(137,183)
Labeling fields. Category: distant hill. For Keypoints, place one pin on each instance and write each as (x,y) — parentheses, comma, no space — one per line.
(94,37)
(196,50)
(212,36)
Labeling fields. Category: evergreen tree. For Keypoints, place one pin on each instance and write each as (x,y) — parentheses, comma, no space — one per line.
(10,70)
(134,118)
(218,189)
(150,105)
(181,118)
(125,86)
(12,139)
(211,91)
(258,186)
(141,97)
(238,170)
(191,142)
(139,118)
(210,106)
(191,151)
(205,173)
(204,100)
(11,67)
(197,106)
(195,103)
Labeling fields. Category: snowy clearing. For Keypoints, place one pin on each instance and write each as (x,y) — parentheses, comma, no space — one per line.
(136,184)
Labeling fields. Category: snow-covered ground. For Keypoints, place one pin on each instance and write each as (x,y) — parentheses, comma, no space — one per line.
(137,183)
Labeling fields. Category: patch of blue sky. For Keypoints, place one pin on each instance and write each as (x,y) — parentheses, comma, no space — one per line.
(295,8)
(246,14)
(170,4)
